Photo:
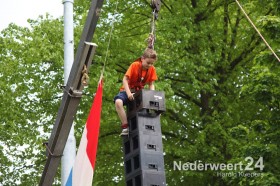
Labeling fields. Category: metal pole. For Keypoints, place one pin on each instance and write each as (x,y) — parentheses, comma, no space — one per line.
(69,152)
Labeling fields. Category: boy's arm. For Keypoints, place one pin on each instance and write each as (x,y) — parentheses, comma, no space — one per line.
(151,86)
(126,88)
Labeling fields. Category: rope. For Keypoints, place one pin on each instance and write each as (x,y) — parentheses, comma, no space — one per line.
(257,31)
(151,38)
(153,21)
(109,41)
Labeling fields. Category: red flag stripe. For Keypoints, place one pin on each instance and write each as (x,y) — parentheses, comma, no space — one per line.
(93,125)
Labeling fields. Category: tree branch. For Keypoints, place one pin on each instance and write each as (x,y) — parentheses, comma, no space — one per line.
(174,79)
(245,52)
(234,33)
(108,134)
(182,94)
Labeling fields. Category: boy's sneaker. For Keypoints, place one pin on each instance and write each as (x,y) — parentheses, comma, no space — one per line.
(124,132)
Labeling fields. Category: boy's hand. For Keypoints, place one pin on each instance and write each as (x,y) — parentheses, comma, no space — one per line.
(130,96)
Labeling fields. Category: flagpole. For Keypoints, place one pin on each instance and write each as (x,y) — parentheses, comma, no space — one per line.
(69,152)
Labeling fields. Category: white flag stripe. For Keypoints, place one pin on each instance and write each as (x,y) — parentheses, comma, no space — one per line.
(82,171)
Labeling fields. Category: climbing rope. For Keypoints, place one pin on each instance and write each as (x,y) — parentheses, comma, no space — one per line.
(151,38)
(155,5)
(257,30)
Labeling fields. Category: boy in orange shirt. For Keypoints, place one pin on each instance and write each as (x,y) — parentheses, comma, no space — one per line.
(139,73)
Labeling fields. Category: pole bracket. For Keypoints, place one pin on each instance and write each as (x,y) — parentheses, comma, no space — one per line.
(71,92)
(49,151)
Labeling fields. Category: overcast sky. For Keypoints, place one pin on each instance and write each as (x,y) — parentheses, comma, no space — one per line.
(18,11)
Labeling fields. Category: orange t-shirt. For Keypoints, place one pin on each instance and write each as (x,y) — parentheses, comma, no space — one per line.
(134,77)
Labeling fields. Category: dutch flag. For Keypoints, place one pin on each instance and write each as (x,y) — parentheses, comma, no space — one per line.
(82,171)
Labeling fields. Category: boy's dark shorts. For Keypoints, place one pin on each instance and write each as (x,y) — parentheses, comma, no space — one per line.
(123,96)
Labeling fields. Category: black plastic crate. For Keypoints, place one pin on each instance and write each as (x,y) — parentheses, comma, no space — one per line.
(147,99)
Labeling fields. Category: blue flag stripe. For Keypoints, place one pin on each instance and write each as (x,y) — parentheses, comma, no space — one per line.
(69,180)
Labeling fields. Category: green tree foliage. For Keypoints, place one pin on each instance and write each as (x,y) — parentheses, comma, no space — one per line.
(220,81)
(31,70)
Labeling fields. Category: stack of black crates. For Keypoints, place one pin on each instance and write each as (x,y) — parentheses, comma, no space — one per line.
(143,149)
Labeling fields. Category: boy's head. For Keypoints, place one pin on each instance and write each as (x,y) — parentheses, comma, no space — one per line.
(148,58)
(150,53)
